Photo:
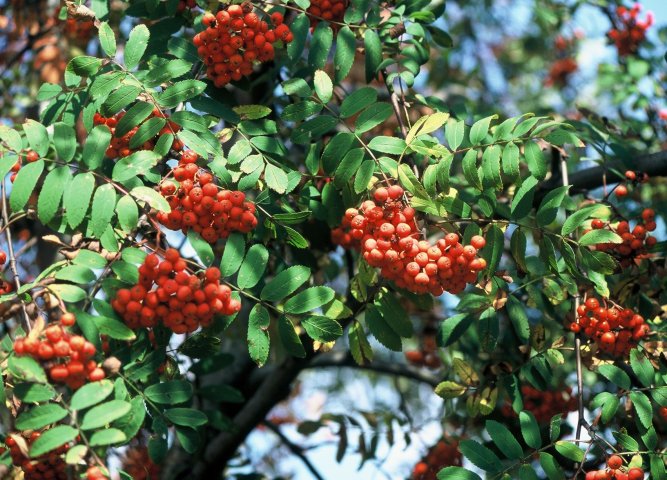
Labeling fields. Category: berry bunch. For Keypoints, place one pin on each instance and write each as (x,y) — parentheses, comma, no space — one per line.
(560,72)
(445,453)
(615,471)
(30,157)
(616,330)
(49,466)
(68,358)
(330,10)
(197,204)
(544,405)
(120,145)
(386,230)
(631,31)
(635,241)
(138,464)
(427,355)
(634,177)
(235,38)
(167,293)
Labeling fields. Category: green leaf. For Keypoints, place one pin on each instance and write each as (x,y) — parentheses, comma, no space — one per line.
(76,274)
(120,99)
(84,65)
(346,43)
(615,375)
(233,254)
(322,329)
(519,318)
(642,406)
(381,330)
(426,124)
(202,247)
(24,184)
(642,367)
(551,467)
(259,340)
(188,438)
(102,211)
(108,436)
(364,176)
(187,417)
(570,450)
(493,251)
(372,117)
(51,439)
(599,236)
(297,86)
(609,403)
(392,145)
(95,147)
(76,198)
(52,191)
(537,164)
(320,44)
(357,101)
(253,266)
(64,139)
(309,299)
(550,204)
(91,394)
(151,197)
(107,39)
(38,136)
(522,203)
(40,416)
(491,168)
(348,167)
(276,179)
(313,129)
(113,328)
(136,46)
(300,27)
(373,54)
(104,414)
(323,86)
(575,220)
(34,392)
(504,440)
(480,129)
(530,429)
(455,133)
(148,130)
(131,423)
(289,339)
(359,347)
(285,283)
(479,455)
(457,473)
(136,114)
(453,327)
(449,389)
(137,163)
(510,161)
(26,368)
(127,212)
(169,393)
(180,92)
(470,170)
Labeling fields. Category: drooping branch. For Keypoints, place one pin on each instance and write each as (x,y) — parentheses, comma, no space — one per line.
(295,449)
(654,164)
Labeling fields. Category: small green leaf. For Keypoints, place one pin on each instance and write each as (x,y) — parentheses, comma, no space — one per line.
(52,190)
(323,86)
(550,204)
(346,43)
(187,417)
(108,436)
(309,299)
(51,439)
(530,429)
(233,254)
(289,338)
(615,375)
(104,414)
(570,450)
(202,247)
(480,129)
(102,211)
(642,367)
(169,393)
(599,236)
(504,439)
(26,368)
(480,455)
(136,46)
(373,51)
(322,329)
(285,283)
(258,334)
(457,473)
(24,184)
(180,92)
(357,101)
(107,39)
(253,266)
(320,45)
(151,197)
(91,394)
(372,117)
(84,65)
(276,179)
(40,416)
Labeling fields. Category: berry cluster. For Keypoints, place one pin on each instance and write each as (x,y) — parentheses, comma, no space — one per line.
(616,330)
(631,31)
(615,471)
(68,358)
(634,177)
(332,11)
(443,454)
(635,241)
(167,293)
(235,38)
(138,464)
(560,72)
(544,405)
(197,204)
(120,145)
(50,466)
(427,355)
(30,157)
(386,230)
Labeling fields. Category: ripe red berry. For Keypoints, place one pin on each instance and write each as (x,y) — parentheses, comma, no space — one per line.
(615,462)
(621,191)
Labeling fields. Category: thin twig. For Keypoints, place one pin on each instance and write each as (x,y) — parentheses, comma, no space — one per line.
(295,449)
(12,258)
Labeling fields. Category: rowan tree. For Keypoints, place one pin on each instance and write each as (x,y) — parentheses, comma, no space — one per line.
(209,208)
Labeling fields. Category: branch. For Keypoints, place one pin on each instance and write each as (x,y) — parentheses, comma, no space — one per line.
(295,449)
(345,360)
(654,164)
